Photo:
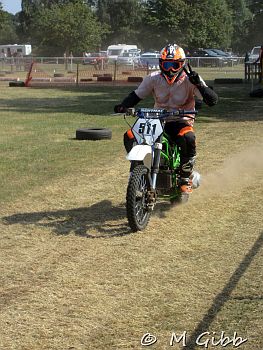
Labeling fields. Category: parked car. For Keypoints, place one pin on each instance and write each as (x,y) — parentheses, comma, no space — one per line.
(207,58)
(149,60)
(254,54)
(230,58)
(129,58)
(97,59)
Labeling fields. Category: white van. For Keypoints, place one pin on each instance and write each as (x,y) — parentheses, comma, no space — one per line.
(15,50)
(113,51)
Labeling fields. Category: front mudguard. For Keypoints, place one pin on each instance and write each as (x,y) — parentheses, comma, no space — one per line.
(141,153)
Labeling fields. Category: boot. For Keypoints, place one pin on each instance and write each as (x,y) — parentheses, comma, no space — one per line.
(186,185)
(187,165)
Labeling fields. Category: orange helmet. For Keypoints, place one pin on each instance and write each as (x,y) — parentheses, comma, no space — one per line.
(171,62)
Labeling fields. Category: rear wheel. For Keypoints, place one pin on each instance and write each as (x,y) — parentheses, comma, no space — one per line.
(138,211)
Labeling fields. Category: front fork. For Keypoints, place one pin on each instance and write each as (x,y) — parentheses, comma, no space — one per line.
(156,161)
(151,194)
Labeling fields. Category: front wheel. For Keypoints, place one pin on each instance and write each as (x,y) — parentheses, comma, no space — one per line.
(137,206)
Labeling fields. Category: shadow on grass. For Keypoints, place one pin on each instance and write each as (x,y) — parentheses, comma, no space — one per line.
(225,294)
(101,217)
(234,103)
(94,101)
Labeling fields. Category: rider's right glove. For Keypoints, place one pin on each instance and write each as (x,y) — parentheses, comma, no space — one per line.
(120,108)
(195,78)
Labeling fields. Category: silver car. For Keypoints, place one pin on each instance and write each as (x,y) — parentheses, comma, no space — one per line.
(150,60)
(130,58)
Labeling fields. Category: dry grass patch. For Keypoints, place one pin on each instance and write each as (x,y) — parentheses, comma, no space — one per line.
(74,277)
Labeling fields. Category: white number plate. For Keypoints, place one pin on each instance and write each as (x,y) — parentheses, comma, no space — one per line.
(147,130)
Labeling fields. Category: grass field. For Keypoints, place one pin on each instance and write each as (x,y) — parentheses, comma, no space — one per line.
(73,276)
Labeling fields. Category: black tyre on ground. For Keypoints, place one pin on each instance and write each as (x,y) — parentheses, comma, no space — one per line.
(138,213)
(16,84)
(93,134)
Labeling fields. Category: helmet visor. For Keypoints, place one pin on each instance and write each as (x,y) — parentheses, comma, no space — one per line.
(172,65)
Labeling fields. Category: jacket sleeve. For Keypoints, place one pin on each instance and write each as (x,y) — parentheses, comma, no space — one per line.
(131,100)
(208,94)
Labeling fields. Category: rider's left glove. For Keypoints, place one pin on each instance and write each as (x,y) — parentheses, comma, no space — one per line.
(120,108)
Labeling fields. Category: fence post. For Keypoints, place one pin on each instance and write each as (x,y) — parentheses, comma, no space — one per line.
(77,78)
(115,70)
(246,71)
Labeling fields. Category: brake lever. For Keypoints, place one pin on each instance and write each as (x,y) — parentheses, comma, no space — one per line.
(130,111)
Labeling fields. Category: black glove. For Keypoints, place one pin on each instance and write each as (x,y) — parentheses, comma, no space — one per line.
(120,108)
(193,76)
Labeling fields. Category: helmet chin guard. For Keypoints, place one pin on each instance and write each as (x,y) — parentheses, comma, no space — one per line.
(172,78)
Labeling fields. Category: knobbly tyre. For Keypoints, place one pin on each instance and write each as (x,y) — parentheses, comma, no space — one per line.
(155,165)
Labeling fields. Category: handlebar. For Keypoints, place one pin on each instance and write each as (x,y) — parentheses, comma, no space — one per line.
(156,113)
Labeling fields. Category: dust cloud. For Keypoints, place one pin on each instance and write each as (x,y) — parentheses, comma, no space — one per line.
(239,170)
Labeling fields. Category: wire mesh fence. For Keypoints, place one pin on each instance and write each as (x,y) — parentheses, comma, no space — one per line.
(88,70)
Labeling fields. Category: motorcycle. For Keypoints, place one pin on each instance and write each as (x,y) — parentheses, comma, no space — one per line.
(155,165)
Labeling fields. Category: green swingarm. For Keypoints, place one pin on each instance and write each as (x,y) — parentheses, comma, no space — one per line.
(168,177)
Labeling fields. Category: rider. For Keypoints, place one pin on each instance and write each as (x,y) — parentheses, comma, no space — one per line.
(173,87)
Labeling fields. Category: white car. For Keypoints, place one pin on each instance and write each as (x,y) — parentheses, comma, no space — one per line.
(129,58)
(150,60)
(254,54)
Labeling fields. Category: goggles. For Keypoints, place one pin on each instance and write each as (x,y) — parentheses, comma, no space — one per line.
(172,65)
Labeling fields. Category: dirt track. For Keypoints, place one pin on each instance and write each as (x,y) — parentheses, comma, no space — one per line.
(73,277)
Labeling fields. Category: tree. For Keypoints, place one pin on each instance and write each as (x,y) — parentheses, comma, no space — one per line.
(2,15)
(122,18)
(256,26)
(7,27)
(66,27)
(164,23)
(31,8)
(208,23)
(241,17)
(189,23)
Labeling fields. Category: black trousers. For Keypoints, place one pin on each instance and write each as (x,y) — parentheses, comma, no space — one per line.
(185,140)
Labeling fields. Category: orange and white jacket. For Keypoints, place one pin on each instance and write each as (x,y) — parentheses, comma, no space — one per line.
(179,95)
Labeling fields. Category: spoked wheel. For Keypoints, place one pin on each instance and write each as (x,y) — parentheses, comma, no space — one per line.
(138,212)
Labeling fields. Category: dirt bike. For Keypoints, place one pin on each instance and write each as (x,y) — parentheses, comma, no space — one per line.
(155,165)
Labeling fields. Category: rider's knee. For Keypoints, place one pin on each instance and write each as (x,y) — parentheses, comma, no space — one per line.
(190,138)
